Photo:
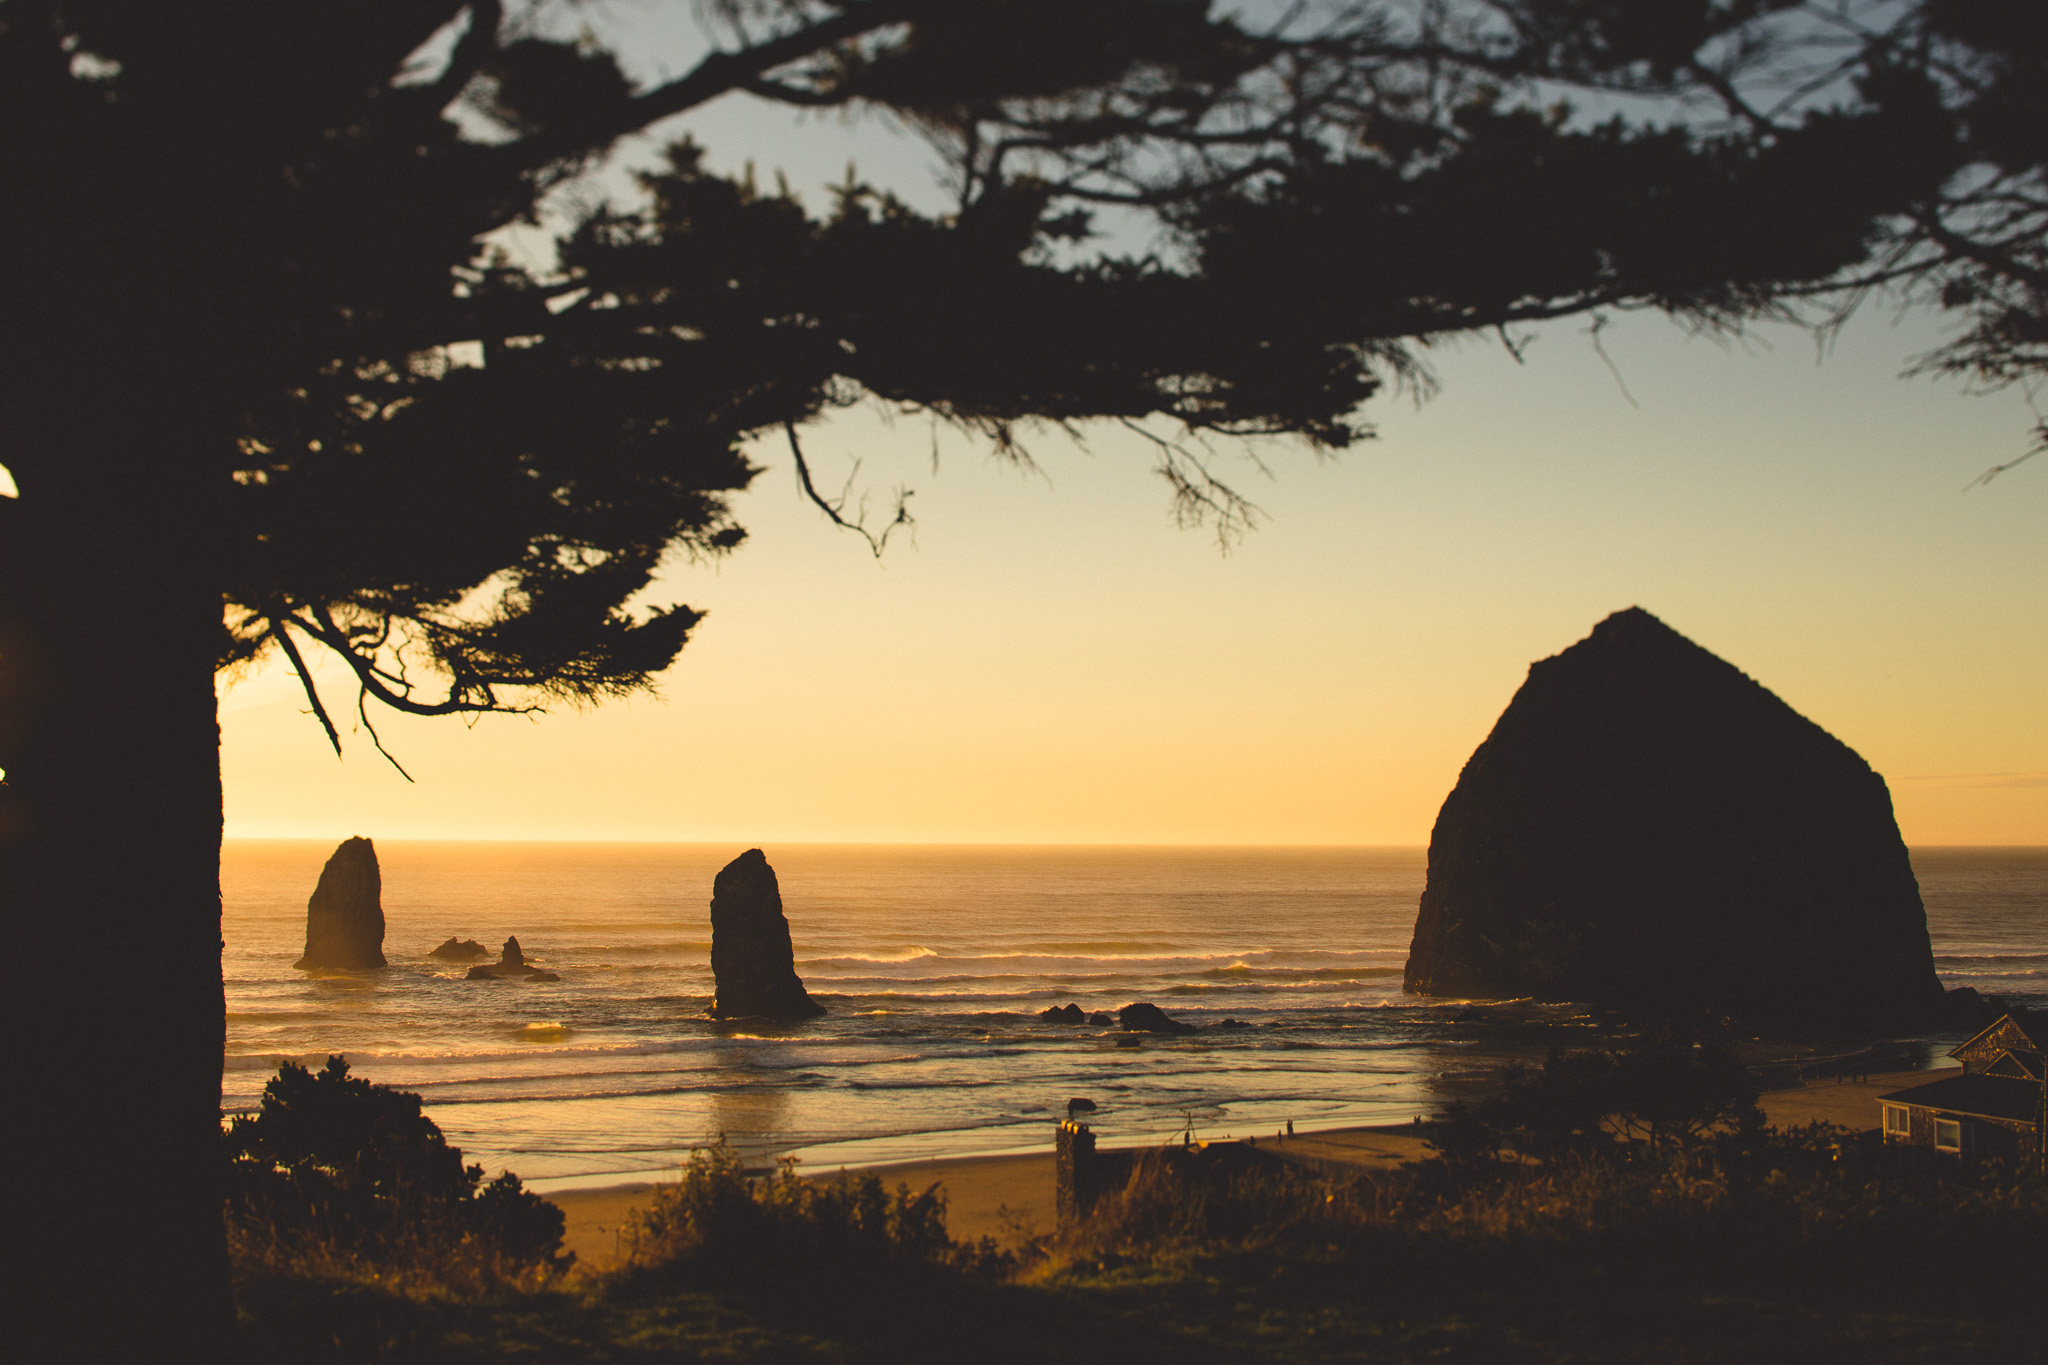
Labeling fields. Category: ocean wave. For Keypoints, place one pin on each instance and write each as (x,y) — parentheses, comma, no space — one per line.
(571,1096)
(1023,986)
(1241,970)
(910,954)
(1951,973)
(704,1042)
(946,1083)
(1107,948)
(1037,964)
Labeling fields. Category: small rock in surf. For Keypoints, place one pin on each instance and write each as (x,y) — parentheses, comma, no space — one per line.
(511,966)
(465,950)
(1144,1017)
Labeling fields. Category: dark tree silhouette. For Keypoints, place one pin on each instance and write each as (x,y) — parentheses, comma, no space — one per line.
(1962,84)
(269,387)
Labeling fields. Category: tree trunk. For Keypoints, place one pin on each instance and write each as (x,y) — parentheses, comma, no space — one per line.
(110,819)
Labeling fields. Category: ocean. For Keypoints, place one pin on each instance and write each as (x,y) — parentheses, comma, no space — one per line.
(933,962)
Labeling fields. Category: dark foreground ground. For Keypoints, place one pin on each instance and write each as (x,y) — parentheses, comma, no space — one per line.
(1627,1303)
(1633,1207)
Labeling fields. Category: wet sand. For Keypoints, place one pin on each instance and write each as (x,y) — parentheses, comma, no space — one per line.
(1010,1198)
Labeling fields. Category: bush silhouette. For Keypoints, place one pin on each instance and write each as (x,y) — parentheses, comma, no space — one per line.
(719,1220)
(335,1175)
(1675,1090)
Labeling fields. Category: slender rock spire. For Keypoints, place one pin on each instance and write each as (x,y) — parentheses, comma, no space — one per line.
(752,958)
(345,917)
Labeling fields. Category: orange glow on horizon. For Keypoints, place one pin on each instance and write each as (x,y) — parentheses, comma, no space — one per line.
(1052,661)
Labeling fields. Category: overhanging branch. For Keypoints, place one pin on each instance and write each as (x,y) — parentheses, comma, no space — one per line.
(291,651)
(718,74)
(327,631)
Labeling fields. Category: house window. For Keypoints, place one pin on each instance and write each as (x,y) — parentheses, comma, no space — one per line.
(1948,1135)
(1896,1120)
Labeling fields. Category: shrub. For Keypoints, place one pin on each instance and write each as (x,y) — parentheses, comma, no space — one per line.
(1676,1091)
(1737,1197)
(719,1219)
(334,1177)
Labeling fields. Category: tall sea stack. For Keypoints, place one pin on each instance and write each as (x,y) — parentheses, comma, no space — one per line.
(1648,827)
(345,917)
(752,960)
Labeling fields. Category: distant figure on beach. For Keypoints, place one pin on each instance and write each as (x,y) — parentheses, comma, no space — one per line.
(345,917)
(753,962)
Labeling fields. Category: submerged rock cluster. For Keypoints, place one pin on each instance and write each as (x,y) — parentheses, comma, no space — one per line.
(511,966)
(1649,828)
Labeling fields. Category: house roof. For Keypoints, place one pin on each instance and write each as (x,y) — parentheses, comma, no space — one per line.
(2031,1027)
(1993,1097)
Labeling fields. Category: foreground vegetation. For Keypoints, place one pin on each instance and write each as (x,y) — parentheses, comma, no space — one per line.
(1558,1223)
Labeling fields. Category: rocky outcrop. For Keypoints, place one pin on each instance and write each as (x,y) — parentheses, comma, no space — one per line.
(752,960)
(345,917)
(1149,1018)
(1063,1014)
(1963,1008)
(1648,828)
(465,950)
(511,966)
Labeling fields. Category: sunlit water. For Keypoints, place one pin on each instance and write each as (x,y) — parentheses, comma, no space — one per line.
(933,963)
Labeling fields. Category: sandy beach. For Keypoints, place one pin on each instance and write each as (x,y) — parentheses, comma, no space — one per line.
(1010,1198)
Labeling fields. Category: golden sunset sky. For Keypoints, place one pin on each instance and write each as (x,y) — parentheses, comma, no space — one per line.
(1052,660)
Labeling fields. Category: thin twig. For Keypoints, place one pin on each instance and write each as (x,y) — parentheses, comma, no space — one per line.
(1200,494)
(363,714)
(291,651)
(832,509)
(1600,320)
(1988,475)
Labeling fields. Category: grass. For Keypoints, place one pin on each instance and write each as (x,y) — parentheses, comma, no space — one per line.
(1815,1246)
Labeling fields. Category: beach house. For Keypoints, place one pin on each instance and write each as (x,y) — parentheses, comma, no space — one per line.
(1995,1108)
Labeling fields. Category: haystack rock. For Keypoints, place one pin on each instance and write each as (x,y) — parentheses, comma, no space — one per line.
(345,917)
(1649,828)
(752,959)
